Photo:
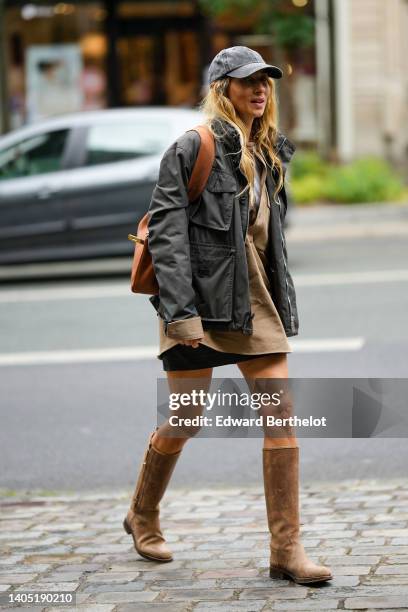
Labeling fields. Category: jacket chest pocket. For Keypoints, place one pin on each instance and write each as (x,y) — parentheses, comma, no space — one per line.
(213,279)
(214,208)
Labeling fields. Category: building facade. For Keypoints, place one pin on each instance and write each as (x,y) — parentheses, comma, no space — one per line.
(347,93)
(371,78)
(61,57)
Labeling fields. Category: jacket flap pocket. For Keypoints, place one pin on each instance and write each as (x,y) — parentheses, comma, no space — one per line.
(221,182)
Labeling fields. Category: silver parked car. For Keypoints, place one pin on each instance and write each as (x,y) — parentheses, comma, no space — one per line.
(76,185)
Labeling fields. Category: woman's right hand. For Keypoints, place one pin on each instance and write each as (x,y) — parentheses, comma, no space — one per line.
(194,343)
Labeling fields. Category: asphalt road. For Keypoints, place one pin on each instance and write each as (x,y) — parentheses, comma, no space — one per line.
(82,422)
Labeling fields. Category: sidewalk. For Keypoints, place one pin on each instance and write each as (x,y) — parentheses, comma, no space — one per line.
(347,221)
(76,543)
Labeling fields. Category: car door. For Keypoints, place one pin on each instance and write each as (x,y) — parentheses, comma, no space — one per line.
(32,222)
(111,191)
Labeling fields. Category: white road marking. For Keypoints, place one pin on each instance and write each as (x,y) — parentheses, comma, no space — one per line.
(346,231)
(319,345)
(79,292)
(79,356)
(351,278)
(150,352)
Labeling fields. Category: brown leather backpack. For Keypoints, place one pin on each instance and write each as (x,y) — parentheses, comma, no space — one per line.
(143,278)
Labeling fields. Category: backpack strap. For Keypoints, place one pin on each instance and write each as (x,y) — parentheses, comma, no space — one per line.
(204,162)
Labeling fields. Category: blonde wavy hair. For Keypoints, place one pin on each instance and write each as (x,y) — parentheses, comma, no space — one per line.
(217,105)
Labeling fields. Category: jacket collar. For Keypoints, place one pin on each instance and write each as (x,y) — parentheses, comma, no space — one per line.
(230,138)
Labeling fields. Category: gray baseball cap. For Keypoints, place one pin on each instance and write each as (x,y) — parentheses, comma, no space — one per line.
(240,62)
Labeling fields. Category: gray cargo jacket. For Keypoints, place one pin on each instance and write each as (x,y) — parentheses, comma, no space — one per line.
(198,248)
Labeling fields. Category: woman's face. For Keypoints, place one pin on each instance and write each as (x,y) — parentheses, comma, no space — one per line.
(249,95)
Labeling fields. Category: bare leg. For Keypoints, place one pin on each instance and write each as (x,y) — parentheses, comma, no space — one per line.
(142,520)
(271,367)
(181,381)
(280,457)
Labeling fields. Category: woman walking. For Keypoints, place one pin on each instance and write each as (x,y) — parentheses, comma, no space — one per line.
(226,294)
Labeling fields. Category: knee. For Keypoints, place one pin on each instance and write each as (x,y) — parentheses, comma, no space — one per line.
(165,443)
(282,409)
(176,435)
(285,408)
(189,427)
(277,422)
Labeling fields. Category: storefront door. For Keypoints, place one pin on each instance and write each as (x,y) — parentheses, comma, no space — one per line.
(159,53)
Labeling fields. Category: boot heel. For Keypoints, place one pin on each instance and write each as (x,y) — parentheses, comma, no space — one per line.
(277,573)
(126,527)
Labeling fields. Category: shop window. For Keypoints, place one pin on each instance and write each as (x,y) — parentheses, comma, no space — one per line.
(36,155)
(120,142)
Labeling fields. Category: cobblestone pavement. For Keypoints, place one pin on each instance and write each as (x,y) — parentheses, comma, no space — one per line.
(76,543)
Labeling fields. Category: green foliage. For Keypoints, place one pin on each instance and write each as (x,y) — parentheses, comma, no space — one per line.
(307,190)
(216,7)
(368,179)
(306,164)
(290,28)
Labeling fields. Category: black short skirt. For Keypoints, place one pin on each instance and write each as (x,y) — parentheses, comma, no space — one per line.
(182,357)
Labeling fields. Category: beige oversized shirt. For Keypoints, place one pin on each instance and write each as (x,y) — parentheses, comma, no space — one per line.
(268,333)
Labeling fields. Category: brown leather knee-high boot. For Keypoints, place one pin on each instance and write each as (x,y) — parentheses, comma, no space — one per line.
(142,520)
(281,482)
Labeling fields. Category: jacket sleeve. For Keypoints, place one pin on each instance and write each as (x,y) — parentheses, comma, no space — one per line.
(285,149)
(169,240)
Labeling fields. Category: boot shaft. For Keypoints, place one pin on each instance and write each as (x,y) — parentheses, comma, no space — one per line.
(155,473)
(281,484)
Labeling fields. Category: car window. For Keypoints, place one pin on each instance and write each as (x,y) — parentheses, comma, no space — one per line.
(36,155)
(122,141)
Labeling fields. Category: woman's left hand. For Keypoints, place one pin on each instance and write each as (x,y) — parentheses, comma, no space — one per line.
(193,343)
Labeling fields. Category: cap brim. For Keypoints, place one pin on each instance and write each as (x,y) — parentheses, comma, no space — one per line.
(248,69)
